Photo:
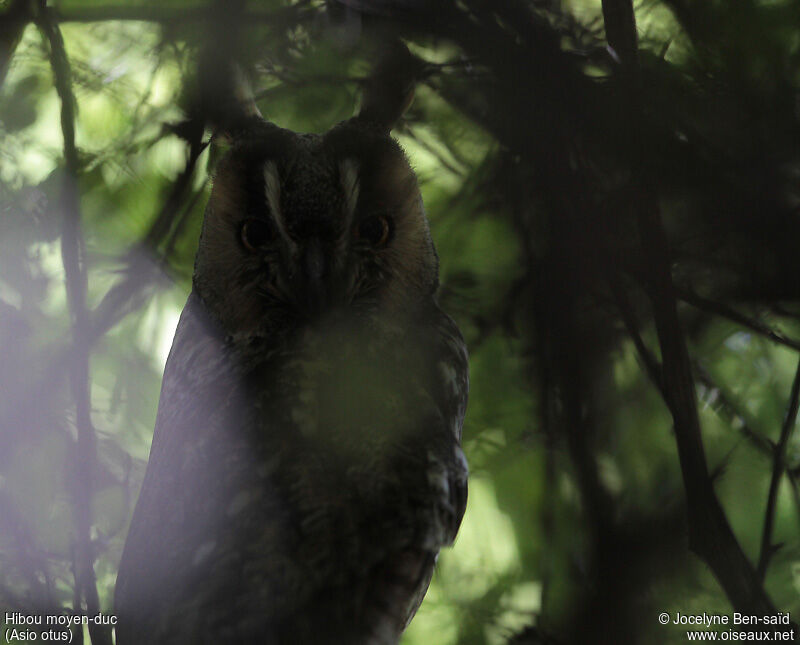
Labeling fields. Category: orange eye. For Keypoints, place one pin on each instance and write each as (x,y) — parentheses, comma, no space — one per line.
(377,230)
(255,233)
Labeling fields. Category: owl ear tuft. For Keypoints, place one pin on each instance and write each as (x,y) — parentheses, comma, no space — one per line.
(243,97)
(227,102)
(389,90)
(240,114)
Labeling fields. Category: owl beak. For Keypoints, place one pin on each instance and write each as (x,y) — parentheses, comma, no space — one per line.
(315,269)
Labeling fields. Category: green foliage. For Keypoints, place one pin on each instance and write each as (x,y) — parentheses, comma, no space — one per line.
(516,240)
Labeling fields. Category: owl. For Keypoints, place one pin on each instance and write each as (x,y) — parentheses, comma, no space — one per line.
(306,466)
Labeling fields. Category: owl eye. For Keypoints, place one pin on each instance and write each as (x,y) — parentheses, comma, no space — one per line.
(255,233)
(376,230)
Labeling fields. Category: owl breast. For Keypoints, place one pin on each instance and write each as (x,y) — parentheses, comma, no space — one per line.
(313,487)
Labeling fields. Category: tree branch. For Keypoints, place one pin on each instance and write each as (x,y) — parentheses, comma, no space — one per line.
(73,256)
(778,468)
(710,535)
(724,311)
(122,297)
(651,364)
(169,15)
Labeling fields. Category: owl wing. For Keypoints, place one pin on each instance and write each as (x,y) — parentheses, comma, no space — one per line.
(198,395)
(446,383)
(448,469)
(439,491)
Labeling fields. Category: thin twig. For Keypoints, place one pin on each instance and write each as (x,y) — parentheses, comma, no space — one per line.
(77,630)
(437,154)
(778,468)
(12,24)
(727,410)
(725,407)
(142,271)
(725,311)
(182,220)
(651,364)
(74,259)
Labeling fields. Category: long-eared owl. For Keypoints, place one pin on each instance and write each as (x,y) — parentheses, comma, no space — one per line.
(305,468)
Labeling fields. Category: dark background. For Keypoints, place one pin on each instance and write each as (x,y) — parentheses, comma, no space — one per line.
(618,234)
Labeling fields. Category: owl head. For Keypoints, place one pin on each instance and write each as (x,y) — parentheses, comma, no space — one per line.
(301,225)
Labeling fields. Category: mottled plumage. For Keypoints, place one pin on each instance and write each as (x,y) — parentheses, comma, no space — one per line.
(305,468)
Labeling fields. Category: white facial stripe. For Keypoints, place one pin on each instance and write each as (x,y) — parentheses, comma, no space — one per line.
(272,190)
(350,185)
